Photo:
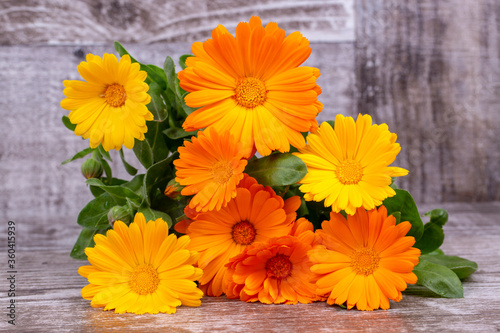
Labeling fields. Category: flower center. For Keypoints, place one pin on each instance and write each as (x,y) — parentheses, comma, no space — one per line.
(221,172)
(279,266)
(244,233)
(115,95)
(250,92)
(144,280)
(349,172)
(364,261)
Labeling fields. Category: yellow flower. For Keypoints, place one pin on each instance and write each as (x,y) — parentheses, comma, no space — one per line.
(210,167)
(366,259)
(141,269)
(109,107)
(251,85)
(348,166)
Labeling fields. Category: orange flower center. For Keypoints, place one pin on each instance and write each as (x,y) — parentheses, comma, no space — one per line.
(365,261)
(221,172)
(244,233)
(115,95)
(250,92)
(279,266)
(349,172)
(144,280)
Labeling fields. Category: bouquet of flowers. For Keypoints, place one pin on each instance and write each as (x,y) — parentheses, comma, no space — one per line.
(244,193)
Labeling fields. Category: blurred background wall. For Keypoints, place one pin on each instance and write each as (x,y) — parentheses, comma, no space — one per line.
(430,69)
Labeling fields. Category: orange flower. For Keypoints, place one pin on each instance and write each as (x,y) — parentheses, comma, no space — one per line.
(251,85)
(276,271)
(367,259)
(256,214)
(210,167)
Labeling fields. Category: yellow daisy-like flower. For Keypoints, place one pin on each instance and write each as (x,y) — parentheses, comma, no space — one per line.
(366,259)
(210,167)
(109,107)
(141,269)
(251,85)
(348,166)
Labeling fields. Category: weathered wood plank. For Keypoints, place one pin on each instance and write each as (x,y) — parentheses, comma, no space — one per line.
(98,21)
(35,142)
(48,297)
(430,69)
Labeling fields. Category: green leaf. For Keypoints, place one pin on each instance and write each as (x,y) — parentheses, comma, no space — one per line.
(404,203)
(135,184)
(157,106)
(397,215)
(331,123)
(151,215)
(104,153)
(157,177)
(159,75)
(435,252)
(439,279)
(94,215)
(130,169)
(80,154)
(106,167)
(182,60)
(96,191)
(431,239)
(277,169)
(460,266)
(119,193)
(175,133)
(86,239)
(169,69)
(143,152)
(69,125)
(438,216)
(158,141)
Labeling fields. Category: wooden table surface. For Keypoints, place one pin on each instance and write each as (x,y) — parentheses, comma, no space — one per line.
(48,293)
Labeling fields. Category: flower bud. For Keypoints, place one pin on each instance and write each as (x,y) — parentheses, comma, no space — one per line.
(120,213)
(173,190)
(92,168)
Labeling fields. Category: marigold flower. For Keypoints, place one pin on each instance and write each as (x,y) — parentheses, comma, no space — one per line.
(109,107)
(210,167)
(276,271)
(251,85)
(256,214)
(365,259)
(348,166)
(141,269)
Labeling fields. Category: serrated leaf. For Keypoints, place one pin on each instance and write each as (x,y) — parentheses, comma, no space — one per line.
(94,215)
(129,168)
(84,240)
(80,154)
(439,279)
(277,169)
(176,133)
(143,152)
(460,266)
(119,193)
(404,203)
(69,125)
(432,238)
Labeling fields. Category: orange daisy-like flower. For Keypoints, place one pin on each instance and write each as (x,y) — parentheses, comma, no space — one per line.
(366,260)
(256,214)
(276,271)
(210,167)
(251,85)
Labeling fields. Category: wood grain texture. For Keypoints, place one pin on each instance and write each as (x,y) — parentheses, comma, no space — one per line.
(430,69)
(102,21)
(49,300)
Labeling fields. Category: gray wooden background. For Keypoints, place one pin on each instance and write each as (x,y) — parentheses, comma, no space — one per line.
(428,68)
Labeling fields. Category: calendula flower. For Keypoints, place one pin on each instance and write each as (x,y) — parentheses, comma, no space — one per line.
(210,167)
(366,259)
(276,271)
(348,166)
(256,214)
(251,85)
(141,269)
(109,107)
